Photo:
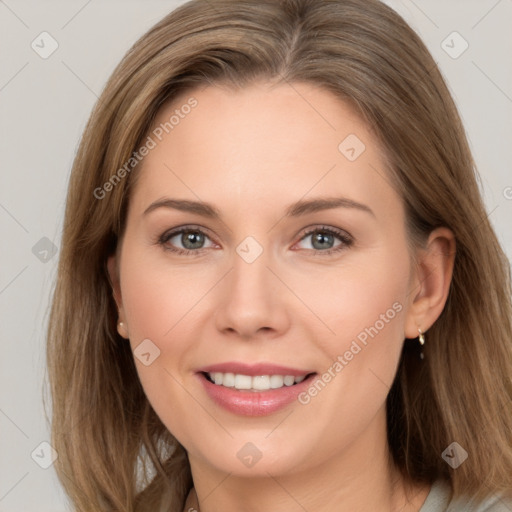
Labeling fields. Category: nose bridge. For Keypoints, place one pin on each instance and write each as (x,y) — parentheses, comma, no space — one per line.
(250,273)
(251,295)
(250,250)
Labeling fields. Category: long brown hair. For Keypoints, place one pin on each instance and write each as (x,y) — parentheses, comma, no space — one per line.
(114,452)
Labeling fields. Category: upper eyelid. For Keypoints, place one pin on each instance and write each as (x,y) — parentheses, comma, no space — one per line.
(169,233)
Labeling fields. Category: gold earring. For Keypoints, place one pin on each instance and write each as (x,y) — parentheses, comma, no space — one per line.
(421,337)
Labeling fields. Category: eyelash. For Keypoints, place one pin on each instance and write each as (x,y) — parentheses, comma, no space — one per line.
(346,240)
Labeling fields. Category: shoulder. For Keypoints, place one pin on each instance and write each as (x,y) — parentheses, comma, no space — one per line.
(440,500)
(491,504)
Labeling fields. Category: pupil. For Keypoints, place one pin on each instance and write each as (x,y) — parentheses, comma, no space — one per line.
(321,238)
(190,236)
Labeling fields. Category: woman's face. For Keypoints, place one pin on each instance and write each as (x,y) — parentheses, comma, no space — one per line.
(273,288)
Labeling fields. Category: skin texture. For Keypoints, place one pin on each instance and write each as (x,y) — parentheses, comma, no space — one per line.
(251,153)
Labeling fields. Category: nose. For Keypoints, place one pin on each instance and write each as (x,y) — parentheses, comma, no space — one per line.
(252,300)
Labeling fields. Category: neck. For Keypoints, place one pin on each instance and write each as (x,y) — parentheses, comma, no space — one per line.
(348,481)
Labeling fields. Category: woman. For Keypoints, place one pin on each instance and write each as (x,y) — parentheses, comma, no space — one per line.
(205,351)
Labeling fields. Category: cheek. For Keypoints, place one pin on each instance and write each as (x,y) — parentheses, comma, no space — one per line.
(159,297)
(163,304)
(369,310)
(362,301)
(364,307)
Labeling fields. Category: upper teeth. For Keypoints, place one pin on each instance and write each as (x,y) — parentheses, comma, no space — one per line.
(258,383)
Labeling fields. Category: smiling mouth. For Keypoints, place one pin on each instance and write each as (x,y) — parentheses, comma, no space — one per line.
(256,383)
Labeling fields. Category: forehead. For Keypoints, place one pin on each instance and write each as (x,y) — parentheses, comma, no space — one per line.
(267,143)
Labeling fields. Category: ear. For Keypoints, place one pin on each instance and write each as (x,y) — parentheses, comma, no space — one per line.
(113,272)
(431,281)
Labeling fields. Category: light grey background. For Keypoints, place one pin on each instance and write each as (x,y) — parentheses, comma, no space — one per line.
(44,105)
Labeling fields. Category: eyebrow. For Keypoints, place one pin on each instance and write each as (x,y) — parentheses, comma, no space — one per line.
(302,207)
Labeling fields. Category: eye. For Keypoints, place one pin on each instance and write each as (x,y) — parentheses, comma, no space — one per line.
(192,240)
(323,239)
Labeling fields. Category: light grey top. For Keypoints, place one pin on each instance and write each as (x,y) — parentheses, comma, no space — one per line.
(439,500)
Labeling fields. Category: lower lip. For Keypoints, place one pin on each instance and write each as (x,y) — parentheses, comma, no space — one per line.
(254,403)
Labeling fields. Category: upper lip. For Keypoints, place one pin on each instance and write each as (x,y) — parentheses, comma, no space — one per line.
(253,369)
